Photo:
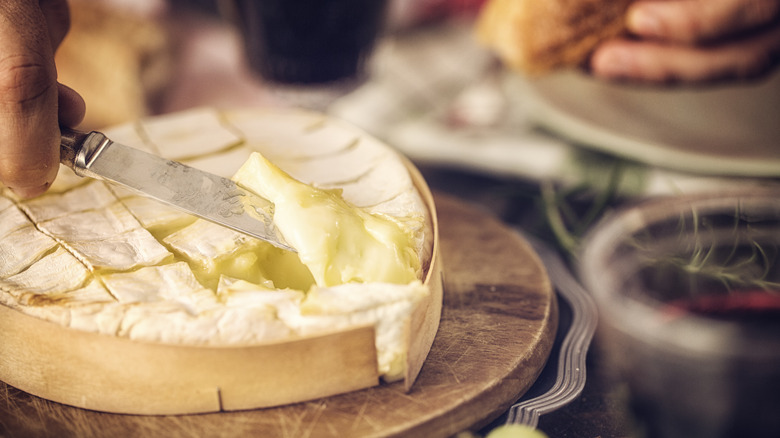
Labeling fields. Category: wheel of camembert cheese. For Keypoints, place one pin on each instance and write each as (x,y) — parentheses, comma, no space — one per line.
(113,302)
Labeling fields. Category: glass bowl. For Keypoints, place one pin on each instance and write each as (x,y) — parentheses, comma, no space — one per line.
(688,292)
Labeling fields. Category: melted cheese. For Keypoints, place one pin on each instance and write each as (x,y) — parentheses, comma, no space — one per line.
(339,243)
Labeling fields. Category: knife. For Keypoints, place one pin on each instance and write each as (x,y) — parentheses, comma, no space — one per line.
(193,191)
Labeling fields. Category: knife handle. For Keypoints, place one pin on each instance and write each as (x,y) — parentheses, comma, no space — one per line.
(79,149)
(70,144)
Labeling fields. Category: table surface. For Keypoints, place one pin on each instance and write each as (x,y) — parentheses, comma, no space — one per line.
(208,74)
(600,410)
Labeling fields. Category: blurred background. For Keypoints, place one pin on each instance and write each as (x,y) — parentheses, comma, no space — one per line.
(135,58)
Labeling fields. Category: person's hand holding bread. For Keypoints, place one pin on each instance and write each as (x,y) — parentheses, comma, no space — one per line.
(693,41)
(655,41)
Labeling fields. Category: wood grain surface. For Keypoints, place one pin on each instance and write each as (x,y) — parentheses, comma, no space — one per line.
(497,328)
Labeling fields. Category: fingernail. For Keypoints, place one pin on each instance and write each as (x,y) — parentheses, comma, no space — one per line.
(644,21)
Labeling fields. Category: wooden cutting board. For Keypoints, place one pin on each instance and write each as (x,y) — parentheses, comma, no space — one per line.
(497,328)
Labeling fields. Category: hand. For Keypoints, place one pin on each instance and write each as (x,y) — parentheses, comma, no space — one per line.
(32,103)
(693,41)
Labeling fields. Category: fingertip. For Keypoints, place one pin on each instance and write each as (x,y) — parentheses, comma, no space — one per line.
(613,61)
(31,182)
(644,19)
(28,192)
(28,174)
(72,107)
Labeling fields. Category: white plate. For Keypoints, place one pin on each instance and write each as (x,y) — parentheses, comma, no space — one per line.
(673,140)
(718,130)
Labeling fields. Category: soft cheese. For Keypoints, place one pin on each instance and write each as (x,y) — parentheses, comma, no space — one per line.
(338,242)
(106,261)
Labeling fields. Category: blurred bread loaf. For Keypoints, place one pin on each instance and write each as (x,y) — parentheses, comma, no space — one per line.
(118,61)
(538,36)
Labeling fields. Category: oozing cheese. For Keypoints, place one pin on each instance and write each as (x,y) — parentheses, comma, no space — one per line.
(339,243)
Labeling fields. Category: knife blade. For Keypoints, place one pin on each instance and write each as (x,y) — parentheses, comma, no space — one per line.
(208,196)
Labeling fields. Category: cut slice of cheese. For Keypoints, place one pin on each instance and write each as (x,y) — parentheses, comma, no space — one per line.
(21,248)
(161,220)
(11,218)
(55,273)
(93,195)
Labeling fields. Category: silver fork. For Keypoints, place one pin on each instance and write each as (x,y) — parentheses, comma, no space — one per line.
(571,372)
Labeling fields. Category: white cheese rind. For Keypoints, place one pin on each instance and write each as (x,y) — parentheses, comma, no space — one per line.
(57,272)
(11,219)
(204,242)
(387,307)
(21,248)
(155,216)
(91,195)
(187,134)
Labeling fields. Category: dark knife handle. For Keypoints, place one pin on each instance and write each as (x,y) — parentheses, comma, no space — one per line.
(70,144)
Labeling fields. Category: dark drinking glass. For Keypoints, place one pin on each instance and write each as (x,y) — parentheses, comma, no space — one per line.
(309,42)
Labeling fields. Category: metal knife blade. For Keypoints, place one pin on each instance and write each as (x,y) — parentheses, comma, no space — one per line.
(202,194)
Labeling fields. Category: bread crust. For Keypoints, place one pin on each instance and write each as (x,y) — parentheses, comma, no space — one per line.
(539,36)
